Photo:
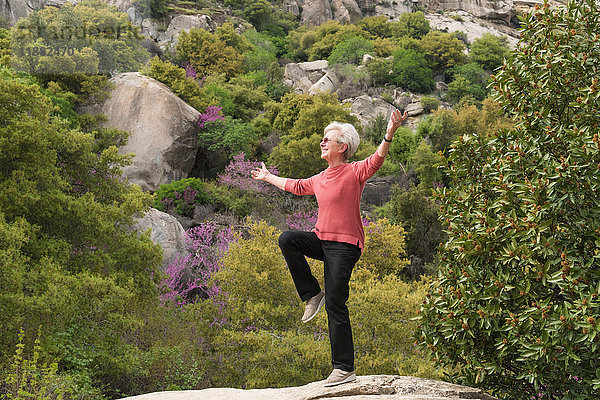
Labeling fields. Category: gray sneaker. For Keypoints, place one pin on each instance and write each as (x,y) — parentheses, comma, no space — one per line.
(339,376)
(313,305)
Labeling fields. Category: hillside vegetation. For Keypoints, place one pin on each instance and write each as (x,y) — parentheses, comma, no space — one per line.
(503,175)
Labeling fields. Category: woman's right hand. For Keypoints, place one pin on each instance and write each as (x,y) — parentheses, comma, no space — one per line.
(260,174)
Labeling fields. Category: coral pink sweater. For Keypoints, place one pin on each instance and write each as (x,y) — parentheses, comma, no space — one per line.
(338,191)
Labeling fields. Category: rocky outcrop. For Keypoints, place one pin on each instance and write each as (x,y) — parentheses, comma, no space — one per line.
(496,10)
(366,108)
(162,126)
(182,23)
(472,26)
(165,231)
(302,76)
(372,387)
(315,12)
(393,9)
(346,11)
(13,10)
(327,84)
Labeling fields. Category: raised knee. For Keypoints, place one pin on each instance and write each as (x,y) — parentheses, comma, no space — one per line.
(285,239)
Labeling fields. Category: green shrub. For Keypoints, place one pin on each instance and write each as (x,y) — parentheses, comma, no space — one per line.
(29,378)
(440,129)
(412,24)
(180,196)
(175,78)
(379,71)
(262,344)
(411,72)
(208,54)
(329,35)
(442,50)
(403,146)
(350,51)
(99,39)
(261,55)
(489,51)
(516,306)
(469,80)
(430,103)
(416,211)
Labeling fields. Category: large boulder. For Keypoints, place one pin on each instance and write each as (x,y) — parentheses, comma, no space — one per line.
(180,23)
(371,387)
(366,108)
(346,11)
(165,231)
(315,12)
(301,77)
(327,84)
(163,129)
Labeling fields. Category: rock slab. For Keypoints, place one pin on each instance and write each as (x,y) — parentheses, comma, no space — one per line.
(371,387)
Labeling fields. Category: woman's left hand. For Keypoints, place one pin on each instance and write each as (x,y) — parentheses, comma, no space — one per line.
(396,120)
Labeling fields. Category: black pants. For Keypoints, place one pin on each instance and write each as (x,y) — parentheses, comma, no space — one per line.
(339,259)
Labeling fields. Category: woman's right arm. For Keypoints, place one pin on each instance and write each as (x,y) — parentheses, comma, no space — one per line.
(263,174)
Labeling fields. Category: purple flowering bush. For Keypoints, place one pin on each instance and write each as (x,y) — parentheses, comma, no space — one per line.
(187,279)
(210,115)
(303,220)
(237,174)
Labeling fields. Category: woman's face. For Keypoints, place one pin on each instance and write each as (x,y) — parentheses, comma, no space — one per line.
(330,148)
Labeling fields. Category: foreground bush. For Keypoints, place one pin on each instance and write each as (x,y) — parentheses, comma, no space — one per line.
(516,307)
(258,334)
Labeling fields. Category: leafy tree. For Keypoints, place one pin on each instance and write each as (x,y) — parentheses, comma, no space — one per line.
(5,47)
(91,37)
(404,144)
(230,37)
(516,306)
(417,212)
(440,129)
(409,43)
(411,72)
(258,12)
(468,80)
(229,137)
(350,51)
(270,80)
(329,35)
(208,54)
(442,50)
(176,78)
(379,71)
(425,163)
(301,115)
(248,100)
(412,24)
(75,265)
(262,54)
(489,51)
(377,26)
(299,41)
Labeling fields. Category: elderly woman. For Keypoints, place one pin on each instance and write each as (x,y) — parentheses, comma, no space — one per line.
(338,237)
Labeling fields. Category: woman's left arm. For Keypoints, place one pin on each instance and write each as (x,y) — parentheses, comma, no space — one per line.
(396,119)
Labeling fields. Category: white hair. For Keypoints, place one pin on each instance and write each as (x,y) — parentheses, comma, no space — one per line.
(347,135)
